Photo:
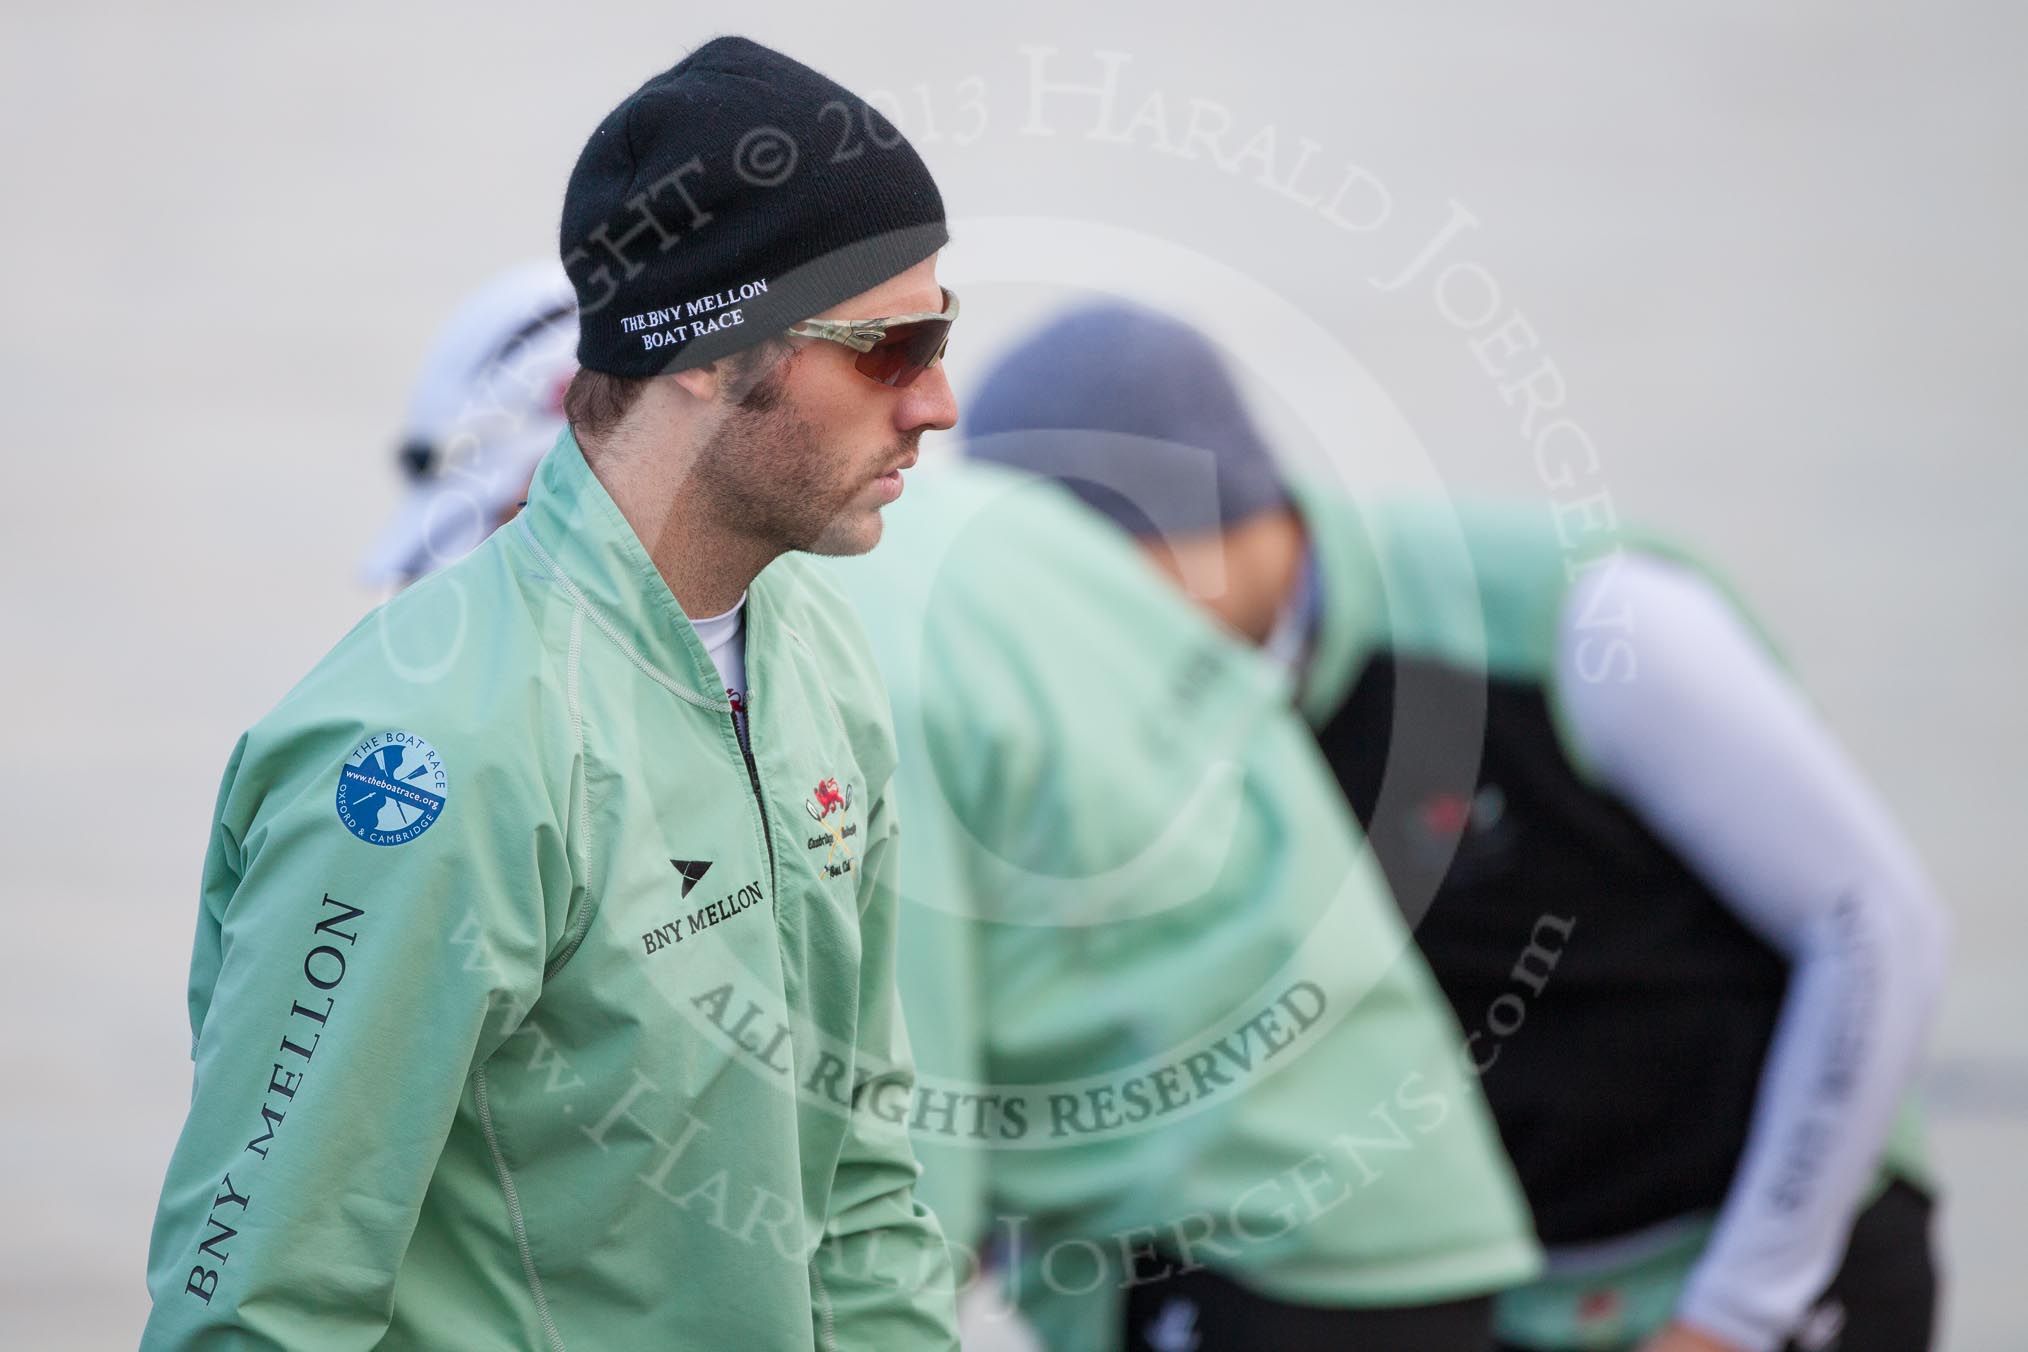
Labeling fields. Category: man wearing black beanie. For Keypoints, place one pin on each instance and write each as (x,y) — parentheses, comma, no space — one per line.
(726,201)
(562,1026)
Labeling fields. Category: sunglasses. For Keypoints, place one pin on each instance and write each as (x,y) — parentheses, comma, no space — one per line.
(895,350)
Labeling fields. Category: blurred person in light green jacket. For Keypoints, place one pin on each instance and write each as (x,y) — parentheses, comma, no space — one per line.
(1695,955)
(1183,1076)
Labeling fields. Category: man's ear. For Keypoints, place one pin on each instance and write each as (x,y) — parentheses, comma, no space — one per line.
(702,382)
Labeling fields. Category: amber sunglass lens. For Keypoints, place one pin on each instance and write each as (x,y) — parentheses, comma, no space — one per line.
(906,352)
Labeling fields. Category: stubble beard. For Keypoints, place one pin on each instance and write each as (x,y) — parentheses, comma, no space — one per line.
(768,474)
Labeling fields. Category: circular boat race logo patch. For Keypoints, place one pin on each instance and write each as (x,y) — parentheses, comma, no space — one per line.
(392,789)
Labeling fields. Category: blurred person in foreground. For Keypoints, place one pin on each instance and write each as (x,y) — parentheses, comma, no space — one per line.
(522,1016)
(1183,1073)
(1566,740)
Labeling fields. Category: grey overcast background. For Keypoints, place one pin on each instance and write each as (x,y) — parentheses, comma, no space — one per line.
(1775,253)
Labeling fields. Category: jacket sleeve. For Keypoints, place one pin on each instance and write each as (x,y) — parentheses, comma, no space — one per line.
(881,1276)
(341,994)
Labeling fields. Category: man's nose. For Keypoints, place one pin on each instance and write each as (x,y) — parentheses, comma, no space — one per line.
(928,403)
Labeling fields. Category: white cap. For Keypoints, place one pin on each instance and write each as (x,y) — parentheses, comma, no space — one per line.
(486,409)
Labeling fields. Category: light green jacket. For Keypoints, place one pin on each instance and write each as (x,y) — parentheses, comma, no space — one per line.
(527,1012)
(1161,997)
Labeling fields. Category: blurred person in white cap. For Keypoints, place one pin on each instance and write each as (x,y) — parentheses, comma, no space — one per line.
(486,408)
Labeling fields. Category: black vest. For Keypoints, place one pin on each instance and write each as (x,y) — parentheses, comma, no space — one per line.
(1619,1011)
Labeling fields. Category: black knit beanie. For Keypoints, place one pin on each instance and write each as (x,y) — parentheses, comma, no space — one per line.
(731,196)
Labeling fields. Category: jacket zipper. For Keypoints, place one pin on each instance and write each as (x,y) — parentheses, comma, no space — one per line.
(742,716)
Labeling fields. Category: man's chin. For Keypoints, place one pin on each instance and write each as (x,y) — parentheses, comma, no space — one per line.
(853,532)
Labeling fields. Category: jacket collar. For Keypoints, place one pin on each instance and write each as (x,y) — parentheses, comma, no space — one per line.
(1347,594)
(578,535)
